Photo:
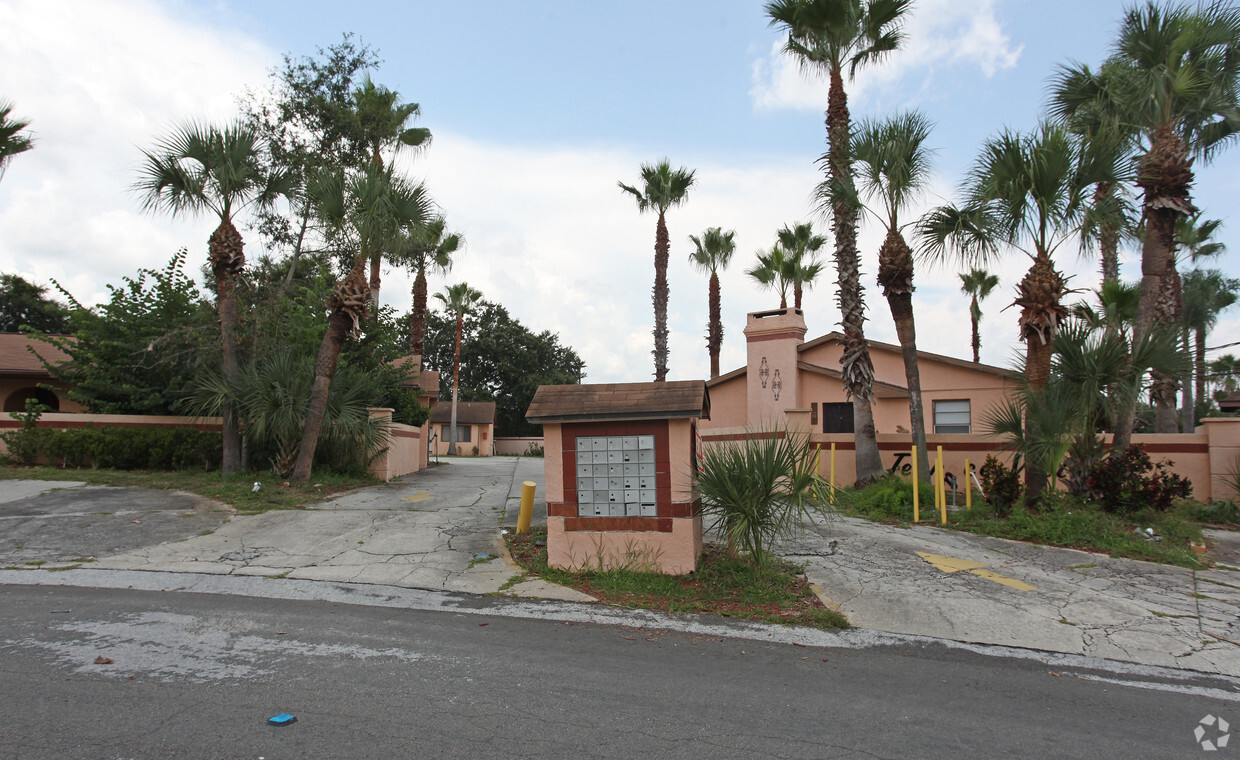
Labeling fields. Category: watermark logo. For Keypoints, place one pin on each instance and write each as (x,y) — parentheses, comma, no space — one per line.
(1218,729)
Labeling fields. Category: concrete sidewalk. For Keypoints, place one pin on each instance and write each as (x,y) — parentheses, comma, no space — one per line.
(939,583)
(438,529)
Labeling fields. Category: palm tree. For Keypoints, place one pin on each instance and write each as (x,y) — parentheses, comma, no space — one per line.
(429,247)
(662,188)
(379,120)
(893,165)
(1028,192)
(774,270)
(1174,78)
(828,35)
(712,252)
(1207,292)
(802,246)
(365,210)
(199,168)
(12,141)
(458,299)
(977,283)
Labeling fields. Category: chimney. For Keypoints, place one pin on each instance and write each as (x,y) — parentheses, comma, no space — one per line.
(771,341)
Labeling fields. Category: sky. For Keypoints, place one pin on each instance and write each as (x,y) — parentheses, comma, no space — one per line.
(537,110)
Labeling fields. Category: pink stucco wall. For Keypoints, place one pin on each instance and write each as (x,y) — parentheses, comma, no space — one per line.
(674,553)
(514,446)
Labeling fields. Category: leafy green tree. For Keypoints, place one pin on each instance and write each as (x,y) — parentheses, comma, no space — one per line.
(711,253)
(140,352)
(12,139)
(1025,191)
(662,188)
(366,210)
(458,299)
(502,361)
(829,35)
(26,305)
(977,284)
(220,171)
(893,165)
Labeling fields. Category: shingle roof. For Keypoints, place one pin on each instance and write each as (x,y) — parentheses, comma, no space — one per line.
(467,412)
(619,401)
(15,359)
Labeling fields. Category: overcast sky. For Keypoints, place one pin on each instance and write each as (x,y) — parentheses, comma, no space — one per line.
(537,109)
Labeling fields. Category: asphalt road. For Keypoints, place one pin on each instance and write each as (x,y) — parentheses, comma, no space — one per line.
(197,675)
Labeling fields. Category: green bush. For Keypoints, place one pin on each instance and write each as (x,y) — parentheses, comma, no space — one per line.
(128,448)
(1126,481)
(27,441)
(886,500)
(1001,483)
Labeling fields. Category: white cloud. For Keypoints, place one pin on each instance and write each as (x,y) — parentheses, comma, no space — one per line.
(97,81)
(940,35)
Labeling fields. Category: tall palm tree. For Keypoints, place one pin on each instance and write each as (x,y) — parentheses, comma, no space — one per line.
(1174,79)
(662,188)
(893,165)
(12,141)
(827,35)
(1028,192)
(365,210)
(379,119)
(712,252)
(1207,292)
(802,246)
(222,171)
(458,299)
(977,283)
(429,247)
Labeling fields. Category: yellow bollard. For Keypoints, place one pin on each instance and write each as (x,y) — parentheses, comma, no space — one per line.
(833,472)
(942,489)
(916,490)
(968,486)
(527,506)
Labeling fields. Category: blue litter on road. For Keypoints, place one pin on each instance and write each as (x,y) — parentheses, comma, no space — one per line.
(283,719)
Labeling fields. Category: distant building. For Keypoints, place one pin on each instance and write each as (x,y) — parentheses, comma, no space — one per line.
(786,372)
(475,427)
(22,373)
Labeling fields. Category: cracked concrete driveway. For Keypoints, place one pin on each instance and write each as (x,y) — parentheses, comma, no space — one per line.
(939,583)
(437,529)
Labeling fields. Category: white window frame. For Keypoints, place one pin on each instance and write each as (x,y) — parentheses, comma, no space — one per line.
(948,420)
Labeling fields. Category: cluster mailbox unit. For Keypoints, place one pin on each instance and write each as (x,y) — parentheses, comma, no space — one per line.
(619,462)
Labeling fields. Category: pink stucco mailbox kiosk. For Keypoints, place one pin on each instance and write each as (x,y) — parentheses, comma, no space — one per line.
(619,471)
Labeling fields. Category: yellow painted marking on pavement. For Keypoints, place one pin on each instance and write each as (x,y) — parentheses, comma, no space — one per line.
(949,564)
(419,496)
(1006,581)
(953,564)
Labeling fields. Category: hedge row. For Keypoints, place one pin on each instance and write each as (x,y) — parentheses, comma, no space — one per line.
(117,447)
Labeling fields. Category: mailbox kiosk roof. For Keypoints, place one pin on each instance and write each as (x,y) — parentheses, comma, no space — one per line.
(619,401)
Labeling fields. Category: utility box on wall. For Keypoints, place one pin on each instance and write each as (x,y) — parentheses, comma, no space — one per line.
(619,462)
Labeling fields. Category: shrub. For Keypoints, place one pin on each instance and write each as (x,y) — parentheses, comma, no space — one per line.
(534,449)
(27,441)
(1126,481)
(887,499)
(756,490)
(1001,483)
(127,448)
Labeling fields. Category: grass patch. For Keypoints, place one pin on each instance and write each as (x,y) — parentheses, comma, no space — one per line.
(1062,521)
(514,580)
(234,490)
(722,585)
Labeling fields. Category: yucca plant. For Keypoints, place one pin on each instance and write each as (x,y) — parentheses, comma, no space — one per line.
(756,490)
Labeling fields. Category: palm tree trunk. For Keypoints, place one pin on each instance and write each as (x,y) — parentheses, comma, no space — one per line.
(856,366)
(417,320)
(349,302)
(456,383)
(1108,236)
(796,297)
(1037,373)
(714,339)
(375,279)
(902,312)
(662,248)
(1188,409)
(974,311)
(338,325)
(1199,364)
(227,252)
